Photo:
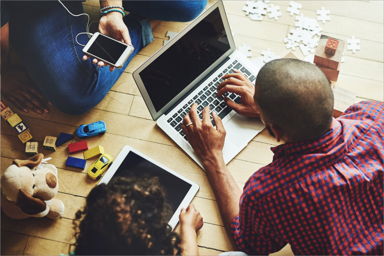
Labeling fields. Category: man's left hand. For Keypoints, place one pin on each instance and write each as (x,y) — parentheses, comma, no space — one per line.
(206,140)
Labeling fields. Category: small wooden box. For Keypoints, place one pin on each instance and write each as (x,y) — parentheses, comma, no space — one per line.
(331,47)
(32,148)
(6,113)
(50,143)
(321,58)
(14,119)
(25,136)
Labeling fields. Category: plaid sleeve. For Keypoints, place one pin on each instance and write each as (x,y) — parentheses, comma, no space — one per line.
(365,110)
(251,231)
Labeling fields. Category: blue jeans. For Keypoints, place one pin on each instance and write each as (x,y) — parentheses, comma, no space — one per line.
(42,33)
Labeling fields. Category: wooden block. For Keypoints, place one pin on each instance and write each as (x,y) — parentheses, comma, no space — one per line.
(331,74)
(95,151)
(63,138)
(14,119)
(25,136)
(331,46)
(77,147)
(321,59)
(50,143)
(20,127)
(74,162)
(6,113)
(32,147)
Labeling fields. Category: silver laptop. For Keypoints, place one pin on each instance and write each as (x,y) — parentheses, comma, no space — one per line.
(188,70)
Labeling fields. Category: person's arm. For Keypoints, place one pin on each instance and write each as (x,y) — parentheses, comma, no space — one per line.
(208,142)
(112,24)
(190,222)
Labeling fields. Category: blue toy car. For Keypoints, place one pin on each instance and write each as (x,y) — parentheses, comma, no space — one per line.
(93,129)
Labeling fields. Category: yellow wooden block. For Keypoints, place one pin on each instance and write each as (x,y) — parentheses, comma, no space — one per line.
(6,113)
(31,147)
(14,119)
(25,136)
(92,152)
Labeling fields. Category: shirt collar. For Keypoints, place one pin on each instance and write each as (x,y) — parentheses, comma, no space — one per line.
(322,144)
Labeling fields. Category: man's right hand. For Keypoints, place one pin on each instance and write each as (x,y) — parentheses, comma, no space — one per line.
(239,84)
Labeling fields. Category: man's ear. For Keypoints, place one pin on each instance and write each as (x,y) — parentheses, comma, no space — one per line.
(30,204)
(277,132)
(30,162)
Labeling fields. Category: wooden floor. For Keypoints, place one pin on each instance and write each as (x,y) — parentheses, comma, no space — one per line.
(129,122)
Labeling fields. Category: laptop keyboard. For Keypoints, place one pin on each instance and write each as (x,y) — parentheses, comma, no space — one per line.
(207,96)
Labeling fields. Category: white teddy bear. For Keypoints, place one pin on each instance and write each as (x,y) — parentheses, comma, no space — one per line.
(28,188)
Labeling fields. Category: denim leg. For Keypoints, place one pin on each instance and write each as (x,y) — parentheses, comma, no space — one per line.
(4,15)
(179,10)
(43,34)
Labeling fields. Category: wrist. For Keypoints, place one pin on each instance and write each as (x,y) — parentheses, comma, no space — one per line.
(215,162)
(187,229)
(114,11)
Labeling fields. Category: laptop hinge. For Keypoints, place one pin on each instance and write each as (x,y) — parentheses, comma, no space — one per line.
(197,85)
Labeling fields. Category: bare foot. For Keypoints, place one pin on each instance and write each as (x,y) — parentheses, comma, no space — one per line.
(17,89)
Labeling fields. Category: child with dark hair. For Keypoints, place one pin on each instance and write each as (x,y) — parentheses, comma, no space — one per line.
(130,216)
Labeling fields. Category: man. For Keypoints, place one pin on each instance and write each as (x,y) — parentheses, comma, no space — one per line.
(322,193)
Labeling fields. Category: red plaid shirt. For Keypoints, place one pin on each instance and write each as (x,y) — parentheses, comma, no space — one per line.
(322,197)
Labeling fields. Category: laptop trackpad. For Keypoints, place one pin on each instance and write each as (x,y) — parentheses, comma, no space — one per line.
(242,129)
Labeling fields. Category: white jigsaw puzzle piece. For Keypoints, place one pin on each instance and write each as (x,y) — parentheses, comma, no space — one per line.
(170,35)
(353,44)
(294,8)
(274,12)
(323,15)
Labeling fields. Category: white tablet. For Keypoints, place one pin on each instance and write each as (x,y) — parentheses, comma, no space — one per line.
(179,190)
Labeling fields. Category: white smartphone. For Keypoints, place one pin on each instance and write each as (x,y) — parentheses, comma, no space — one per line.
(108,50)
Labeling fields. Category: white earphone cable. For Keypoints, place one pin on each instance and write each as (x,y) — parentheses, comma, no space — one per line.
(78,15)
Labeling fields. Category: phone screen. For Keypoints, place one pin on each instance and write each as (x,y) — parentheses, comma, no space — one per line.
(107,49)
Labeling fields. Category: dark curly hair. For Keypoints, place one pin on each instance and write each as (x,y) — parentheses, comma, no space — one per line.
(126,216)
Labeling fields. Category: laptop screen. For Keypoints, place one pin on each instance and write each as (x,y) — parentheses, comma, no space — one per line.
(185,60)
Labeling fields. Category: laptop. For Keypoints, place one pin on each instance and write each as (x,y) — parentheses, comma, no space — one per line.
(188,70)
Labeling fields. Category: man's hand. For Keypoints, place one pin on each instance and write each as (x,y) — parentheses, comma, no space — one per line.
(112,25)
(239,84)
(206,140)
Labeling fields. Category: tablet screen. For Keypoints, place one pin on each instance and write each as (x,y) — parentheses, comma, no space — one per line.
(136,166)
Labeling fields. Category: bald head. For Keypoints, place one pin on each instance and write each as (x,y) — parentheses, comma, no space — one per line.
(296,97)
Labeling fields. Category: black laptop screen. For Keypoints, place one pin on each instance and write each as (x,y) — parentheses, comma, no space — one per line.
(191,55)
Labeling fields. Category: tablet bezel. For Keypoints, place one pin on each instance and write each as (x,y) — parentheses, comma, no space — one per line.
(187,198)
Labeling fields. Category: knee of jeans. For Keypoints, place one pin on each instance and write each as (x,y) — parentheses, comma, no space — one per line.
(188,10)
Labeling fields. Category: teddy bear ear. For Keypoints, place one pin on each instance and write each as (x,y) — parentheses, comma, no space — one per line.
(30,204)
(30,162)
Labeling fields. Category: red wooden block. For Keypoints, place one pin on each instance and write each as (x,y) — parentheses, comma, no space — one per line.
(331,46)
(77,147)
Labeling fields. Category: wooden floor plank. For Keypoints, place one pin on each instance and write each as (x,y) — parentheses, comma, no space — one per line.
(13,243)
(129,122)
(40,246)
